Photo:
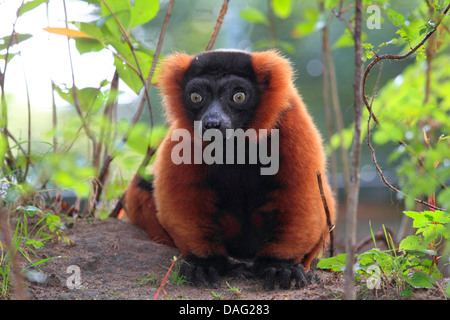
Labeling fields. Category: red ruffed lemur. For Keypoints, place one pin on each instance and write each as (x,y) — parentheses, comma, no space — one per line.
(213,211)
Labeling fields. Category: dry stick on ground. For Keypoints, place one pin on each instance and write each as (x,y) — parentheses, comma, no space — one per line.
(219,22)
(174,260)
(352,198)
(372,115)
(327,212)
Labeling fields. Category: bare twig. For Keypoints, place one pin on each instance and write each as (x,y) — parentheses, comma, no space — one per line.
(219,22)
(327,212)
(340,15)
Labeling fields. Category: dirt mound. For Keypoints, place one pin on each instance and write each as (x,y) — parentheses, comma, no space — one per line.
(112,259)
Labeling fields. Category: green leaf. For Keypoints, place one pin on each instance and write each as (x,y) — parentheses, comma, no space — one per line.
(85,45)
(313,22)
(254,15)
(383,44)
(143,11)
(419,280)
(336,263)
(19,37)
(30,210)
(396,18)
(94,30)
(282,8)
(35,243)
(331,3)
(128,74)
(3,146)
(90,99)
(122,12)
(30,5)
(411,243)
(345,40)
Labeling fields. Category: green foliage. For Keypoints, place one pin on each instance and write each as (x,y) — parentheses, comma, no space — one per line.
(422,162)
(91,132)
(117,20)
(282,8)
(254,15)
(45,226)
(412,265)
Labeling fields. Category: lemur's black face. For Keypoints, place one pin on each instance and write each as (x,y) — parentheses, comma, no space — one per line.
(220,90)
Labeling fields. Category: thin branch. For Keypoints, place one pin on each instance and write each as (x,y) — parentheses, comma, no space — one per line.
(340,15)
(353,194)
(396,57)
(219,22)
(330,224)
(372,115)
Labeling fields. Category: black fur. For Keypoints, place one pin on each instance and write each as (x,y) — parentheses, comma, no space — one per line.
(204,271)
(146,183)
(217,77)
(281,271)
(241,190)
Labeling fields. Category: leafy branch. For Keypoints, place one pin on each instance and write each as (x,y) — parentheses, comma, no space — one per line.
(372,115)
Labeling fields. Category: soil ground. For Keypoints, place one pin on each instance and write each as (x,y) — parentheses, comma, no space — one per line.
(115,258)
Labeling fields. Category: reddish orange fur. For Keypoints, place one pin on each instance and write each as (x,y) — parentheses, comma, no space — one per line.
(141,211)
(179,188)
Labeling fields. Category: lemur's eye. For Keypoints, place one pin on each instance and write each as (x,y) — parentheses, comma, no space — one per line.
(196,98)
(239,97)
